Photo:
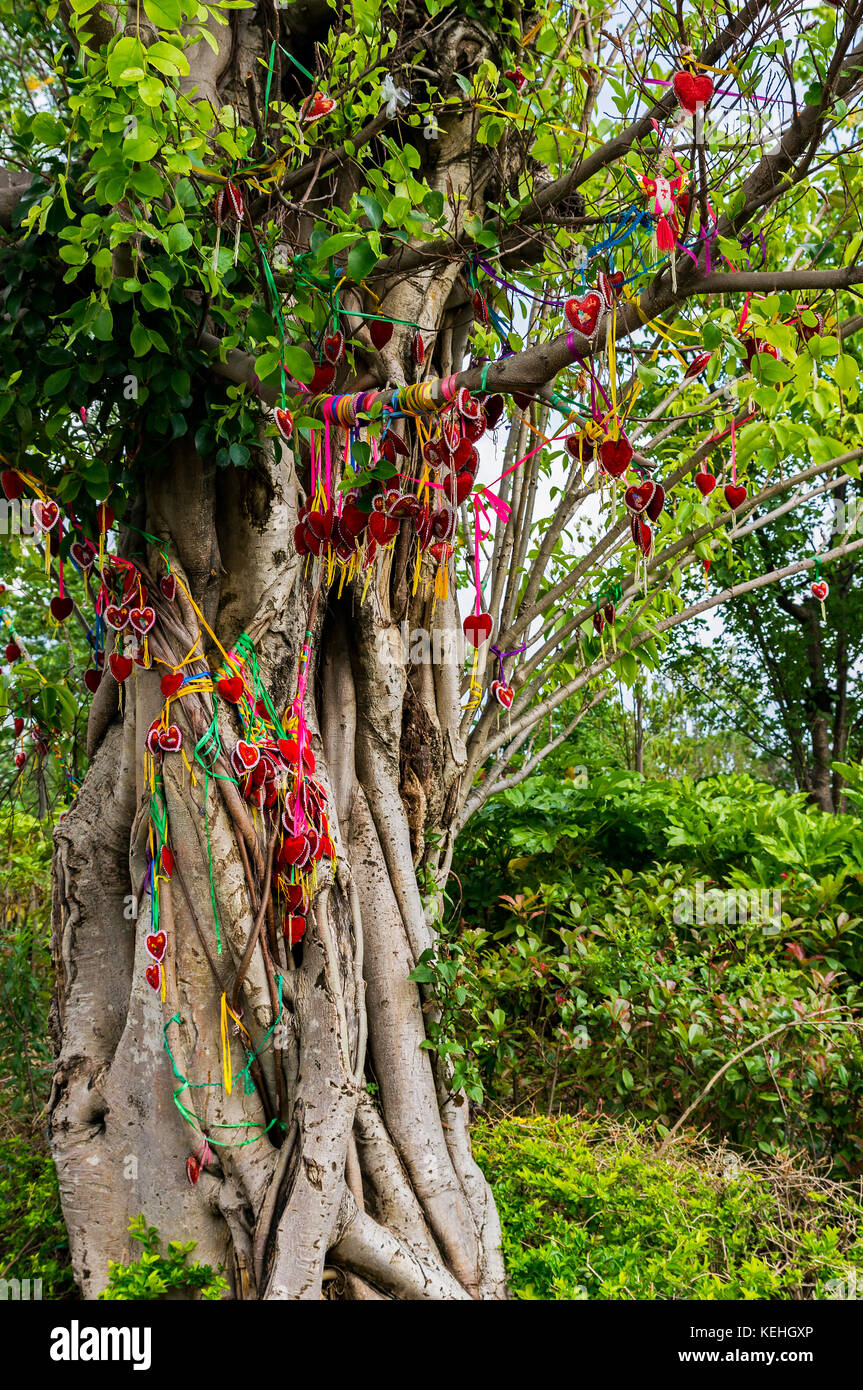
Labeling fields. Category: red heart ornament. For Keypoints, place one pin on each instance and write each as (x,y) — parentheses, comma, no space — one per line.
(193,1169)
(104,517)
(121,666)
(503,693)
(82,556)
(314,107)
(294,849)
(13,651)
(92,679)
(584,313)
(284,422)
(735,495)
(166,861)
(697,365)
(692,92)
(324,375)
(477,628)
(418,349)
(157,944)
(231,688)
(636,498)
(294,928)
(20,760)
(117,616)
(382,528)
(170,683)
(657,502)
(44,514)
(168,585)
(615,456)
(171,739)
(12,485)
(821,589)
(142,619)
(61,607)
(380,332)
(334,348)
(154,975)
(641,534)
(246,756)
(151,743)
(705,482)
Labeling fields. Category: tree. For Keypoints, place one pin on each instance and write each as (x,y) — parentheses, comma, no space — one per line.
(425,169)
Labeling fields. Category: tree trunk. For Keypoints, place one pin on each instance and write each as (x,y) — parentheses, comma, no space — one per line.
(387,1191)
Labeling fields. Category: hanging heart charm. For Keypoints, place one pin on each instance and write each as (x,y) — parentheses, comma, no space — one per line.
(61,607)
(157,944)
(121,666)
(12,485)
(820,589)
(44,514)
(380,332)
(284,422)
(334,348)
(313,108)
(323,376)
(245,756)
(735,495)
(584,313)
(477,628)
(615,456)
(705,482)
(117,616)
(82,555)
(154,975)
(641,534)
(636,499)
(171,683)
(231,688)
(171,739)
(168,585)
(692,92)
(142,619)
(503,693)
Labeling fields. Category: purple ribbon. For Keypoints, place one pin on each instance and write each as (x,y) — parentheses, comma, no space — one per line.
(516,289)
(502,656)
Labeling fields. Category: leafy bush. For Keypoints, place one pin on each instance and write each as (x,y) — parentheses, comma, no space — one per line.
(154,1275)
(569,977)
(592,1211)
(33,1242)
(25,964)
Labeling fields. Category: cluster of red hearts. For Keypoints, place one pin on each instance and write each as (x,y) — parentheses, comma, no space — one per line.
(123,608)
(37,737)
(275,769)
(426,491)
(276,776)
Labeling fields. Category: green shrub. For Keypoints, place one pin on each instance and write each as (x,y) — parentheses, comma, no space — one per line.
(33,1242)
(592,1211)
(569,978)
(155,1275)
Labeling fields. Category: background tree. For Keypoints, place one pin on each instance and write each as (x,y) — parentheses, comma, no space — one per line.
(140,362)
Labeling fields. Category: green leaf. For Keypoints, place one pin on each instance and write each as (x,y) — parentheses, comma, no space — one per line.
(372,208)
(299,364)
(361,259)
(179,238)
(165,14)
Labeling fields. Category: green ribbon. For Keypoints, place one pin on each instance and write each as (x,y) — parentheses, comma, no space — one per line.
(243,1074)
